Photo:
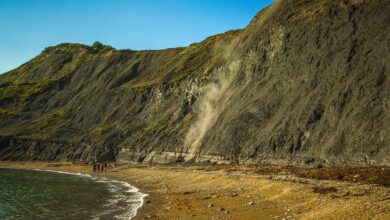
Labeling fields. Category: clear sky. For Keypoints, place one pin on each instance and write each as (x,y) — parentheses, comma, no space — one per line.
(28,26)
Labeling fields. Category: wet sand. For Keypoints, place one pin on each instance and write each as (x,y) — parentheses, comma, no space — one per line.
(220,192)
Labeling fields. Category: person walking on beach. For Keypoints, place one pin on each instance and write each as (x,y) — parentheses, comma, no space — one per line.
(94,168)
(98,167)
(101,167)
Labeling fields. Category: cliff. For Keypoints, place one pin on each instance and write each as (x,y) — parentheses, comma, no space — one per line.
(305,83)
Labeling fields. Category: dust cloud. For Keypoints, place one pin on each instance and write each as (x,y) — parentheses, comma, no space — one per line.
(211,104)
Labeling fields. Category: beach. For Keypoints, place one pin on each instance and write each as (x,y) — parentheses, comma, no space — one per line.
(221,192)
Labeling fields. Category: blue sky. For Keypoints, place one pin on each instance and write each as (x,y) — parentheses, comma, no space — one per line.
(28,26)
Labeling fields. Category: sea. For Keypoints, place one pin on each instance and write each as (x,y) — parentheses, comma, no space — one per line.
(39,194)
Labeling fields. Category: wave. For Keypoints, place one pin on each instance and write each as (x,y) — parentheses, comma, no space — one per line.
(124,192)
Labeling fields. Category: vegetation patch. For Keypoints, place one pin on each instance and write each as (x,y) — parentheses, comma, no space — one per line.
(155,128)
(96,47)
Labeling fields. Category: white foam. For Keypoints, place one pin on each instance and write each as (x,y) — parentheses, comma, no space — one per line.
(135,201)
(63,172)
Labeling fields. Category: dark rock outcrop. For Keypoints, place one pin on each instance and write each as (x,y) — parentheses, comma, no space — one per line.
(42,150)
(306,83)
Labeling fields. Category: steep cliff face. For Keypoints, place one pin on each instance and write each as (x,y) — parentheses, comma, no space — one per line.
(306,83)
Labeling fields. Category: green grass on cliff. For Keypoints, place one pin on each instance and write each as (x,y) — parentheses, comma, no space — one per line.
(155,128)
(42,127)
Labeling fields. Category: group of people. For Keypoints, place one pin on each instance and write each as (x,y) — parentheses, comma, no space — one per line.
(99,167)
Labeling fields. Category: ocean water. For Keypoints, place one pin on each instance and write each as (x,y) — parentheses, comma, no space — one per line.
(35,194)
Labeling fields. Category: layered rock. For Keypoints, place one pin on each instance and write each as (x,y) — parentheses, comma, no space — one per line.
(306,83)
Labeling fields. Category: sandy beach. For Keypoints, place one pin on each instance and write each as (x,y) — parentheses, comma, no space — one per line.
(191,192)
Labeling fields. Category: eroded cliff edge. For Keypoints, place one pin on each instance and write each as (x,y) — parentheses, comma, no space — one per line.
(306,83)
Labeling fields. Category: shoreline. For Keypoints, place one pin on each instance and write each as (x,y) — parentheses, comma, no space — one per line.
(141,196)
(181,192)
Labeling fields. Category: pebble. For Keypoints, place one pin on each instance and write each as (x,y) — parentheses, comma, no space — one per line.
(168,208)
(251,203)
(221,209)
(210,205)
